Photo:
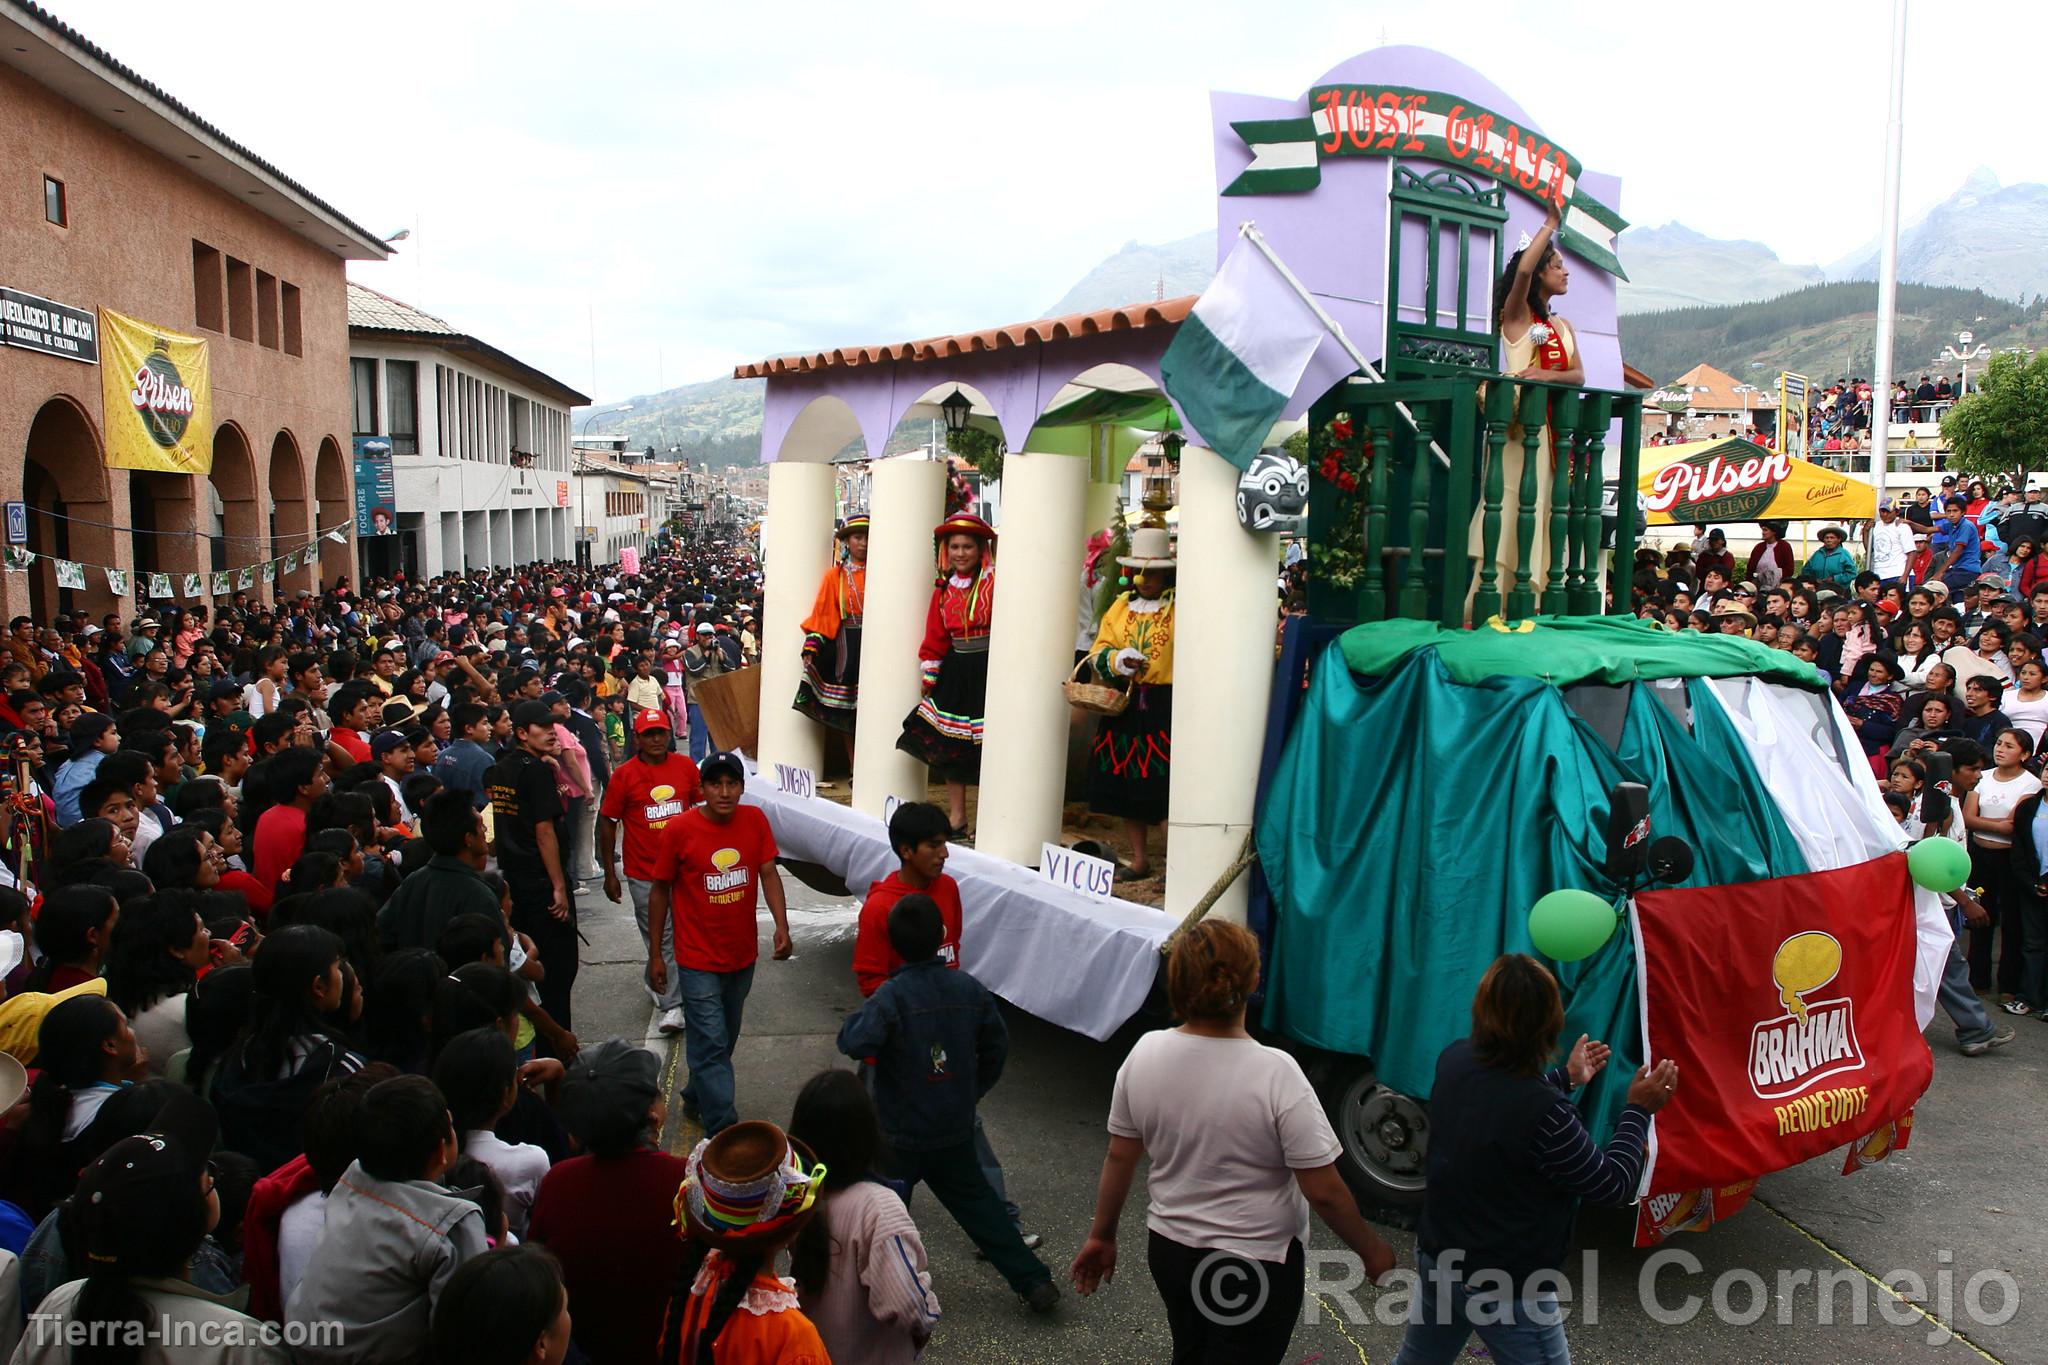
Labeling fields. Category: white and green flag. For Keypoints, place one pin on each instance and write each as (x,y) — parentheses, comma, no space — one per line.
(1234,362)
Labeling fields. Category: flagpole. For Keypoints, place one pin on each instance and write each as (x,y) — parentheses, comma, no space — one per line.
(1888,263)
(1250,233)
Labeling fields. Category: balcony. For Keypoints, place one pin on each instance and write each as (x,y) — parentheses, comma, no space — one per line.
(1462,517)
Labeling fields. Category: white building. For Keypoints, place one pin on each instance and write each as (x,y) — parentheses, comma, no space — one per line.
(616,506)
(480,443)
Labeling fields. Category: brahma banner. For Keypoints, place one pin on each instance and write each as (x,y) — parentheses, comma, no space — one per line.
(1788,1006)
(157,396)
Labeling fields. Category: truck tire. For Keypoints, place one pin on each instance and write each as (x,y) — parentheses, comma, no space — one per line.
(1384,1133)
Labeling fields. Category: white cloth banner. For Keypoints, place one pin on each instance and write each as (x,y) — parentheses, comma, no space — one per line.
(1798,741)
(1084,965)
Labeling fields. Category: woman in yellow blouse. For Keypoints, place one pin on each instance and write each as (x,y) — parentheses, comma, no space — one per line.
(1134,749)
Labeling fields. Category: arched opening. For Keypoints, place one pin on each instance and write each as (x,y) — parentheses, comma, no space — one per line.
(973,460)
(333,505)
(238,531)
(290,524)
(64,483)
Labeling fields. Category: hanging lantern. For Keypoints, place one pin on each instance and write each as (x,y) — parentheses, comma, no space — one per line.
(956,406)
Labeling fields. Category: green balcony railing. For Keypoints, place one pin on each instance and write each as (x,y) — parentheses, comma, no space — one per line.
(1442,519)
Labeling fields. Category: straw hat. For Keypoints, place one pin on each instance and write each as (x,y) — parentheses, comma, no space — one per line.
(1730,607)
(752,1186)
(1151,548)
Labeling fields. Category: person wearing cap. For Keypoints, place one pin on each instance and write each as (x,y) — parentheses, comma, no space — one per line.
(647,792)
(1957,549)
(141,1214)
(715,864)
(143,637)
(945,729)
(395,762)
(1129,767)
(1891,544)
(527,815)
(701,662)
(606,1213)
(829,692)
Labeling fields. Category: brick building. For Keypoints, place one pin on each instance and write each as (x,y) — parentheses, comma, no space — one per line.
(114,195)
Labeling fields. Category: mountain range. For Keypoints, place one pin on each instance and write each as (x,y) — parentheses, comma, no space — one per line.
(1682,296)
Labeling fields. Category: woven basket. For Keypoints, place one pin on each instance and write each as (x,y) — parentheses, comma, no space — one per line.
(1100,698)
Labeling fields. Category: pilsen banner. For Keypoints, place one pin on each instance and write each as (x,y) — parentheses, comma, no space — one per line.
(1371,120)
(1799,1041)
(157,395)
(1737,480)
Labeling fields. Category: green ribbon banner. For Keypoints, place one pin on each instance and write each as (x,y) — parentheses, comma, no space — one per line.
(1361,120)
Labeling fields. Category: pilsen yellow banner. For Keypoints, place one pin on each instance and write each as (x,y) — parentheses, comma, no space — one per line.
(1735,480)
(156,389)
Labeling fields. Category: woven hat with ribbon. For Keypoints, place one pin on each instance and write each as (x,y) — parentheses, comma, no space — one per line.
(751,1186)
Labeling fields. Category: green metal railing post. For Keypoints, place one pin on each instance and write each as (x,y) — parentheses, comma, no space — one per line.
(1532,410)
(1500,411)
(1372,605)
(1595,414)
(1560,477)
(1461,440)
(1414,602)
(1625,527)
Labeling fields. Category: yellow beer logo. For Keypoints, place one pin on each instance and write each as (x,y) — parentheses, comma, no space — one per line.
(662,793)
(1813,1039)
(661,804)
(727,874)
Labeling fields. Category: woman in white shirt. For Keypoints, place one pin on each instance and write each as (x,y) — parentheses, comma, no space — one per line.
(1916,655)
(1987,815)
(2026,706)
(1237,1161)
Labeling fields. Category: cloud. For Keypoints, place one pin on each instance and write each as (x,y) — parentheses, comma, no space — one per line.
(699,185)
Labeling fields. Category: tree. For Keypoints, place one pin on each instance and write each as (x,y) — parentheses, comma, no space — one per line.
(982,449)
(2001,429)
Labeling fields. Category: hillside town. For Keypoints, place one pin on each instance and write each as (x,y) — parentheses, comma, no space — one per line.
(1450,766)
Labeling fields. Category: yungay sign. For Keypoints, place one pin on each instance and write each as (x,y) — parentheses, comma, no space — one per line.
(1735,480)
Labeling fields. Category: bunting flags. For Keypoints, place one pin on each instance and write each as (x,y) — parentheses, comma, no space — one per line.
(153,585)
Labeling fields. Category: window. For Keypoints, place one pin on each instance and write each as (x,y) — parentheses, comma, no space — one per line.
(363,381)
(294,338)
(53,201)
(402,405)
(208,287)
(266,309)
(241,300)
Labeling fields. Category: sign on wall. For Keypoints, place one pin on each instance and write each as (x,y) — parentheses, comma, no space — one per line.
(561,492)
(376,488)
(1373,120)
(156,392)
(34,323)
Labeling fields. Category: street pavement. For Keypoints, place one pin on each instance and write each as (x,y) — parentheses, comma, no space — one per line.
(1962,1202)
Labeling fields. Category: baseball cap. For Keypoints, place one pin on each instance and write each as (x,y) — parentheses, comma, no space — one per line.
(532,713)
(154,1170)
(444,657)
(551,697)
(223,688)
(608,1090)
(706,629)
(385,742)
(650,719)
(722,761)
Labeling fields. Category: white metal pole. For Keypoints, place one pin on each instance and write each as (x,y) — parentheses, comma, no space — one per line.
(1888,261)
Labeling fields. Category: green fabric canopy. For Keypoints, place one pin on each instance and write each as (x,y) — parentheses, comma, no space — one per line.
(1414,818)
(1146,408)
(1563,650)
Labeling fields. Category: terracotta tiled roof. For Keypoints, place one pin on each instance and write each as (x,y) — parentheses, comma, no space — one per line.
(1713,390)
(1130,317)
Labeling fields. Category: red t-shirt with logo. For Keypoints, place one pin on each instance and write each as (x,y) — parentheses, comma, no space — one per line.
(646,798)
(714,876)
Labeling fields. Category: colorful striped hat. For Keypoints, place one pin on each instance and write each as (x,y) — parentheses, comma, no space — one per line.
(752,1185)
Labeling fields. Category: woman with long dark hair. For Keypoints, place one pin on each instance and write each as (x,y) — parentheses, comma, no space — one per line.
(74,930)
(505,1307)
(1509,1161)
(85,1052)
(860,1265)
(160,946)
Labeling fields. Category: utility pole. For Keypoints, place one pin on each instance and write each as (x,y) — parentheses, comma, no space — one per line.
(1888,261)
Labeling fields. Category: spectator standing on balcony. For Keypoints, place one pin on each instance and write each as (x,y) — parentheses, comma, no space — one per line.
(1923,398)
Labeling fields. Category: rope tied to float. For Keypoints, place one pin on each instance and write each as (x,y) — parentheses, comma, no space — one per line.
(1246,856)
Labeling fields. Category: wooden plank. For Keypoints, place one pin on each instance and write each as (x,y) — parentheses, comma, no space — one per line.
(731,703)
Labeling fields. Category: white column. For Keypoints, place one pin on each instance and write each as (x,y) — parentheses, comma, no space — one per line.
(909,499)
(799,546)
(1038,579)
(1224,623)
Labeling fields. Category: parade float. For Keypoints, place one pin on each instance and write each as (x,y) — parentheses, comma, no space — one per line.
(1453,727)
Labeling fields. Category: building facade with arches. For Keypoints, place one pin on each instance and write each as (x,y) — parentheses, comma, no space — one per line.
(117,196)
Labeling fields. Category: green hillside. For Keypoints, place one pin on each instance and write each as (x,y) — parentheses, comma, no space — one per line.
(1825,331)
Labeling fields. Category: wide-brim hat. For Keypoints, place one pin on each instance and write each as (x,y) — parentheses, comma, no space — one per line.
(753,1186)
(964,524)
(1733,608)
(1835,531)
(857,522)
(1151,548)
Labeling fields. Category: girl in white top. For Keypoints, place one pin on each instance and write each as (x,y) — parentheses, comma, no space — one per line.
(1916,655)
(1987,811)
(261,697)
(1241,1151)
(2026,706)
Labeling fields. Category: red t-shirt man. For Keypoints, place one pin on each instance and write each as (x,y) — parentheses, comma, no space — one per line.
(873,955)
(714,875)
(646,798)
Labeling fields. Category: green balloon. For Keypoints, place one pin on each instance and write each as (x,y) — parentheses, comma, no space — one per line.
(1569,924)
(1939,864)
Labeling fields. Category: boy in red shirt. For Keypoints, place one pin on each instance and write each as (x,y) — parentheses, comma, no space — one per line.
(918,832)
(647,793)
(714,864)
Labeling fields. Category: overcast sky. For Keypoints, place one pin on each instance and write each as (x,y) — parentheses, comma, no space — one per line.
(715,183)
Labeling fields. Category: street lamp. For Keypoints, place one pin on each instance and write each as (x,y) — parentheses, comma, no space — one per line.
(956,406)
(1743,391)
(1964,356)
